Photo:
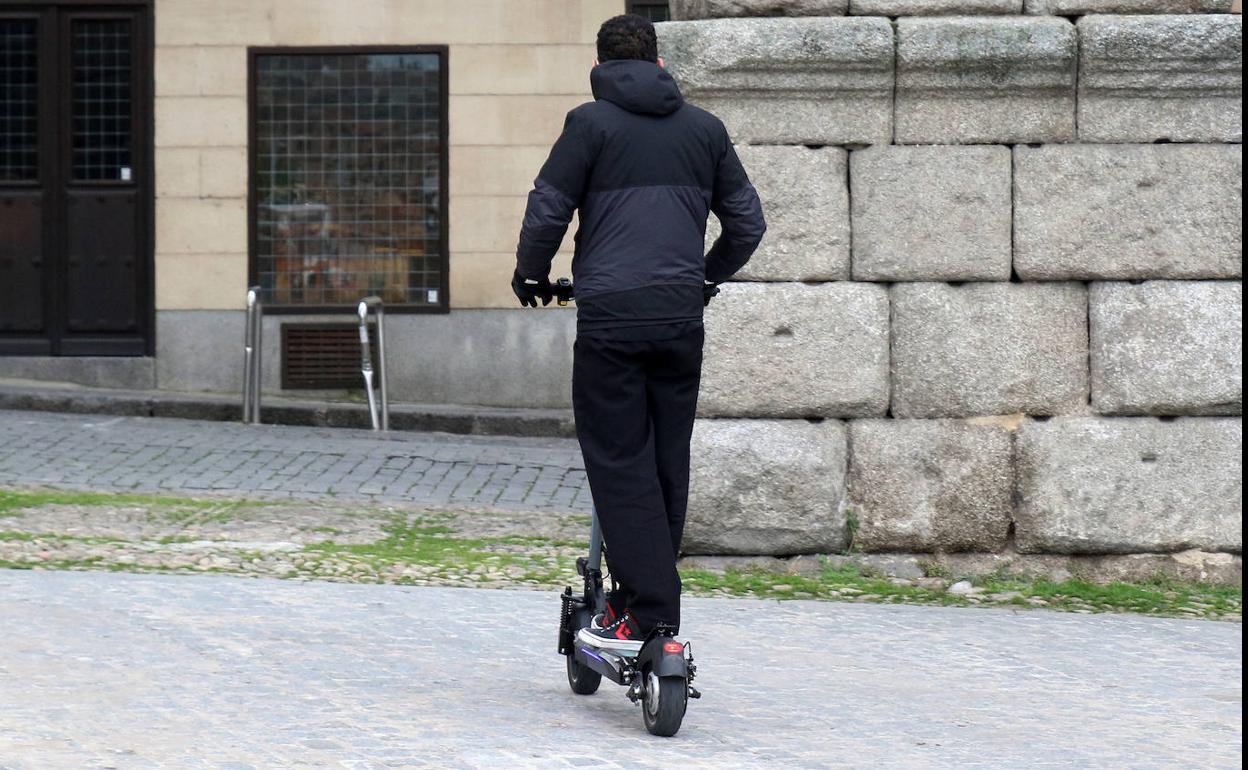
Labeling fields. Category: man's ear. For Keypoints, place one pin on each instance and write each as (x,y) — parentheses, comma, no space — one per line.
(595,61)
(662,63)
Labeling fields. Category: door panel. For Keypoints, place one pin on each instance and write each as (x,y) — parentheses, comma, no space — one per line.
(21,261)
(101,289)
(75,179)
(23,324)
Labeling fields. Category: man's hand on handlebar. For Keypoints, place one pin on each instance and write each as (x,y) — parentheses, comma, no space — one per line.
(530,290)
(709,290)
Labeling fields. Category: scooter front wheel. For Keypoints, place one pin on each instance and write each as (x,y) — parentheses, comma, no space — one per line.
(663,708)
(582,679)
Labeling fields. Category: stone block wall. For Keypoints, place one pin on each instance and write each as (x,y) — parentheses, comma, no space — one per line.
(999,306)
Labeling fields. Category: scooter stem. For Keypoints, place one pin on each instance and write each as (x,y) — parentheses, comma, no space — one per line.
(595,542)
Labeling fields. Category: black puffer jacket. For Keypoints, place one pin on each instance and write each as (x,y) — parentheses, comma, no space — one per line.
(644,168)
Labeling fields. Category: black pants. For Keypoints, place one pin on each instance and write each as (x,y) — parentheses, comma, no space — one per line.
(634,402)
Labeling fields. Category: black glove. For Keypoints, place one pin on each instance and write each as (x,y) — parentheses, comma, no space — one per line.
(530,290)
(708,290)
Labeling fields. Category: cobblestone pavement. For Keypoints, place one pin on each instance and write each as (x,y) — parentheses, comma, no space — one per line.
(171,455)
(104,670)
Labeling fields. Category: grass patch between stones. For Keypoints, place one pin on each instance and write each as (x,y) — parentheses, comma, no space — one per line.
(1162,597)
(423,551)
(14,501)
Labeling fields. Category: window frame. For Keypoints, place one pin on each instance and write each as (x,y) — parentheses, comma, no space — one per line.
(444,162)
(632,6)
(68,159)
(41,109)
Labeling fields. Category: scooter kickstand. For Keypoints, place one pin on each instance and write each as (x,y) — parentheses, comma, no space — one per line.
(634,691)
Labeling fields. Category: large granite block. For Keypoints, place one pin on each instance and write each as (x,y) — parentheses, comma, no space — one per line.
(1082,7)
(1129,485)
(989,348)
(1161,78)
(1167,347)
(788,81)
(969,80)
(766,487)
(791,350)
(806,201)
(931,213)
(931,485)
(1128,211)
(932,7)
(712,9)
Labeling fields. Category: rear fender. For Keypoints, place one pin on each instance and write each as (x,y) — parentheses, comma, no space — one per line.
(664,656)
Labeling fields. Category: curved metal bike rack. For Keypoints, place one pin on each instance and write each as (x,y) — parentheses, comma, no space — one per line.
(253,336)
(374,303)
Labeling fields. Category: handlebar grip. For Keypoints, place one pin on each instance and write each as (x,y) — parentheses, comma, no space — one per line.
(563,291)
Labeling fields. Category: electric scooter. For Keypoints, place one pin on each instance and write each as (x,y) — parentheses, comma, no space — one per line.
(659,676)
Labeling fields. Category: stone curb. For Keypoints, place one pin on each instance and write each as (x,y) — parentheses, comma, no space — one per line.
(464,419)
(1192,565)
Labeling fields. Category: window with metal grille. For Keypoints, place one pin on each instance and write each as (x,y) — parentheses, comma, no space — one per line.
(348,175)
(102,99)
(651,10)
(19,129)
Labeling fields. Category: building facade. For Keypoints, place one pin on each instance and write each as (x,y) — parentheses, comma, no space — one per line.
(159,157)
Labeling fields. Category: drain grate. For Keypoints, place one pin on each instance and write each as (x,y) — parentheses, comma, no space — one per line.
(323,355)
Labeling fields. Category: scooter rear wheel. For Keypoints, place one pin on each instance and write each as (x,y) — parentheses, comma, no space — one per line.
(663,708)
(582,679)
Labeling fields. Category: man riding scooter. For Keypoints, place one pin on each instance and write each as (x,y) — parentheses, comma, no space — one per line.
(644,169)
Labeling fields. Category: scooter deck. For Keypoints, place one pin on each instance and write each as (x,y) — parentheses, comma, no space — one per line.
(617,667)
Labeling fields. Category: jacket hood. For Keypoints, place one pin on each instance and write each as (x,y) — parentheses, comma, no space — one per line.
(638,86)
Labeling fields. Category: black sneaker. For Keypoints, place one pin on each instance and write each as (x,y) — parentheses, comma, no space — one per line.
(604,618)
(623,636)
(607,616)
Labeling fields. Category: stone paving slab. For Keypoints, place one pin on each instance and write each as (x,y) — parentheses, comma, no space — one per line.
(175,456)
(111,670)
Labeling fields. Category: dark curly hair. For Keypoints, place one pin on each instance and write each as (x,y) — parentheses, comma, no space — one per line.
(627,37)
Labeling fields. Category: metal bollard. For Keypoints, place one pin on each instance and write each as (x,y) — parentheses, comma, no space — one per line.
(381,422)
(252,350)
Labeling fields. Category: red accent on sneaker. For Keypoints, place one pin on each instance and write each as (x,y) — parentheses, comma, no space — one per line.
(623,629)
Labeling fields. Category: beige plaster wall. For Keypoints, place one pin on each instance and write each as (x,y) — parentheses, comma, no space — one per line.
(516,67)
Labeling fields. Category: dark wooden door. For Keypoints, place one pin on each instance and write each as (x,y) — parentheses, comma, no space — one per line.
(75,180)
